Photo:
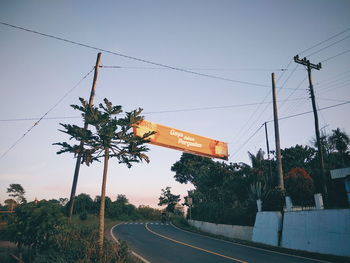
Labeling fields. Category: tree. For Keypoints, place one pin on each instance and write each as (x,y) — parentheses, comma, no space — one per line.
(121,199)
(108,136)
(83,203)
(300,186)
(17,192)
(168,199)
(340,141)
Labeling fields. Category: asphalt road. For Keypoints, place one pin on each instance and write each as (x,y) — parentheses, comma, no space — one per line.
(164,243)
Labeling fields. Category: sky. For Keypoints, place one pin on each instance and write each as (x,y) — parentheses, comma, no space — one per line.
(238,43)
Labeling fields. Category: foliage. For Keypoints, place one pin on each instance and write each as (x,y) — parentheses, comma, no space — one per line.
(168,199)
(109,136)
(149,213)
(10,204)
(299,185)
(35,226)
(17,192)
(274,201)
(258,191)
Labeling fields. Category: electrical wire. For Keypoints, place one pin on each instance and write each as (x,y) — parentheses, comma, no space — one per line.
(284,118)
(341,53)
(324,41)
(133,58)
(330,45)
(153,112)
(307,112)
(209,69)
(46,113)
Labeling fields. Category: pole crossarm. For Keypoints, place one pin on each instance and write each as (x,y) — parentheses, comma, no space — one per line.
(307,63)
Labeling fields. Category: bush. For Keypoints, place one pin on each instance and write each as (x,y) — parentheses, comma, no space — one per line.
(299,186)
(274,200)
(47,236)
(83,216)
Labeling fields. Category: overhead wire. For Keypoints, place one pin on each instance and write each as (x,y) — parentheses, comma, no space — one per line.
(45,114)
(152,112)
(132,57)
(324,41)
(312,47)
(284,118)
(328,46)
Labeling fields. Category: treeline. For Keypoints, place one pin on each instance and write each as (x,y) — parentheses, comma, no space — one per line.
(85,206)
(227,193)
(119,209)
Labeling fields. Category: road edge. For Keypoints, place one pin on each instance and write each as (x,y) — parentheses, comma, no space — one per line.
(250,246)
(132,252)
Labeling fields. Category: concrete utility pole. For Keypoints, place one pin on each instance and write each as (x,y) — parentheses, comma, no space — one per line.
(277,135)
(77,164)
(310,66)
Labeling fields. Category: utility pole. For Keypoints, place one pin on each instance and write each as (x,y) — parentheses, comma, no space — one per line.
(268,150)
(277,135)
(78,162)
(310,66)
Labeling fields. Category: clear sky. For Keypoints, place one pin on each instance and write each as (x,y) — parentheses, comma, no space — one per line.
(237,40)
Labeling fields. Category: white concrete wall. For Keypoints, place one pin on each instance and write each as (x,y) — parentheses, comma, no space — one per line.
(232,231)
(266,228)
(321,231)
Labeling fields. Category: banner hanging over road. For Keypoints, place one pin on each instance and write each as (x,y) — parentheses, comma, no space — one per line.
(181,140)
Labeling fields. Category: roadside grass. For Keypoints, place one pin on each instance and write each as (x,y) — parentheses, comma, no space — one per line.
(182,223)
(8,249)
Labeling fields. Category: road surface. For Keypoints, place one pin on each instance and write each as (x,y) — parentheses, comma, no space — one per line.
(164,243)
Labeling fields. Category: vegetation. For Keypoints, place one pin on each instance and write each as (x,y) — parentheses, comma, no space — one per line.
(42,234)
(299,186)
(168,199)
(108,137)
(227,193)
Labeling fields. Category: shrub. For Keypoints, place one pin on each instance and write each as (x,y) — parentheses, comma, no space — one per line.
(274,200)
(299,186)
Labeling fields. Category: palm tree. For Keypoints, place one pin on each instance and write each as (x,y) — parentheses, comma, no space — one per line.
(106,137)
(340,141)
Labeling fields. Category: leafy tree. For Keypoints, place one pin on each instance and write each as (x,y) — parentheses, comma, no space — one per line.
(300,186)
(108,136)
(168,199)
(190,168)
(17,192)
(121,199)
(83,203)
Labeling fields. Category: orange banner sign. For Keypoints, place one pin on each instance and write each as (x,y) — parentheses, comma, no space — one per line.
(181,140)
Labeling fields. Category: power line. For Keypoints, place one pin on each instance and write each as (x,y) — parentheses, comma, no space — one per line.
(307,112)
(240,148)
(324,41)
(284,118)
(42,117)
(152,112)
(334,43)
(203,68)
(341,53)
(133,58)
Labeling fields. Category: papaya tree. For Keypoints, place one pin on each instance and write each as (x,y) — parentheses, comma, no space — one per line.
(110,135)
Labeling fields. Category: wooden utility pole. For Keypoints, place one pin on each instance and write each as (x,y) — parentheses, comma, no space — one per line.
(310,66)
(277,135)
(78,162)
(268,151)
